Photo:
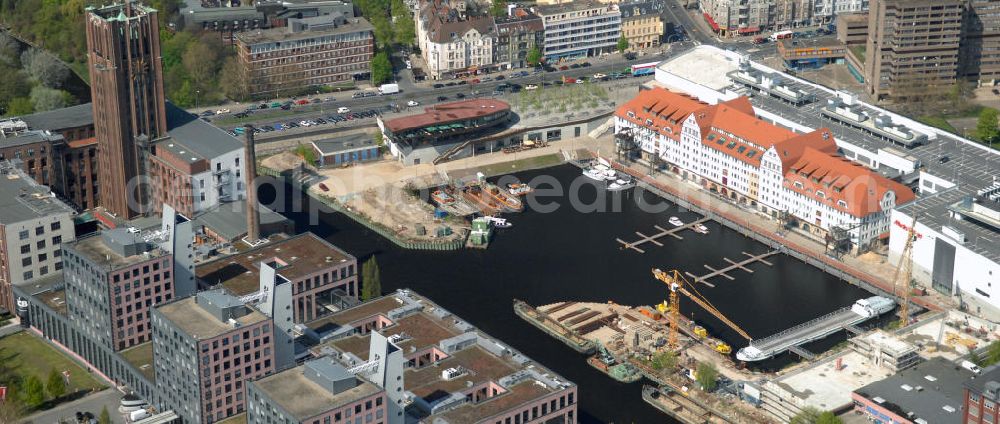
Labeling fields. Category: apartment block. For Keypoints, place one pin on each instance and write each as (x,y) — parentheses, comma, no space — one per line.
(33,225)
(580,29)
(981,397)
(642,22)
(980,47)
(113,279)
(852,29)
(731,18)
(58,149)
(227,18)
(454,45)
(323,278)
(321,50)
(439,367)
(196,167)
(206,347)
(321,390)
(912,50)
(517,34)
(827,11)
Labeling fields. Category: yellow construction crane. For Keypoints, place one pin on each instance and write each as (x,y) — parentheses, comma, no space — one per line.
(904,273)
(678,284)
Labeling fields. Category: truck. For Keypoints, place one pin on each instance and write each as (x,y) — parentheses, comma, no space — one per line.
(386,89)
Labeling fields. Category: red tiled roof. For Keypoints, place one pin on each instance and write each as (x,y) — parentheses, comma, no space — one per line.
(665,108)
(839,179)
(447,113)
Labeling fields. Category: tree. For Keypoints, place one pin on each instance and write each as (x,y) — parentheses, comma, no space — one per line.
(706,376)
(10,49)
(32,392)
(622,44)
(383,30)
(534,56)
(404,31)
(828,417)
(13,84)
(44,67)
(105,417)
(371,280)
(19,106)
(986,128)
(498,8)
(812,415)
(381,68)
(976,358)
(55,385)
(993,353)
(44,98)
(10,410)
(665,360)
(234,80)
(201,63)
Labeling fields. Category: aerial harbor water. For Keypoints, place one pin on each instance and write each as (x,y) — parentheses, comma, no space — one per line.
(569,255)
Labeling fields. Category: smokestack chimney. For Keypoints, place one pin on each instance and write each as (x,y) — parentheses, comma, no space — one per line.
(253,214)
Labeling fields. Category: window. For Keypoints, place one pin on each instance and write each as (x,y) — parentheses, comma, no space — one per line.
(56,226)
(39,231)
(57,240)
(28,275)
(40,245)
(22,235)
(26,261)
(25,249)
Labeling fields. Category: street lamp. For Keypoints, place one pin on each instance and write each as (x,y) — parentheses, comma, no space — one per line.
(197,99)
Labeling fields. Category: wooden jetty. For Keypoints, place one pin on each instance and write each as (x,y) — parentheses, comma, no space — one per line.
(662,233)
(732,265)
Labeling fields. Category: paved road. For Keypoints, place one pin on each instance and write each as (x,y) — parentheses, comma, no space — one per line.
(424,93)
(92,403)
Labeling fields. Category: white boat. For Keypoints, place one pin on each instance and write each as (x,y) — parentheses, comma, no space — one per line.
(699,228)
(675,221)
(594,174)
(499,222)
(619,185)
(610,175)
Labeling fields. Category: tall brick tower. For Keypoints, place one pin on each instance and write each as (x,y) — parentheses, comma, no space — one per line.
(123,46)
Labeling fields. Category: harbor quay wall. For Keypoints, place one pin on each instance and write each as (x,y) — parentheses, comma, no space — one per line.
(768,237)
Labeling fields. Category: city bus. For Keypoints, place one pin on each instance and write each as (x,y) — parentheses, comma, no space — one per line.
(782,35)
(644,69)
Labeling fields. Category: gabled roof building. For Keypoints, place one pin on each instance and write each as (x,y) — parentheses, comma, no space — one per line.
(729,150)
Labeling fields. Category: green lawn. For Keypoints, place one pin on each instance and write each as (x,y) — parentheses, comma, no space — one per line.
(536,162)
(859,52)
(24,354)
(938,122)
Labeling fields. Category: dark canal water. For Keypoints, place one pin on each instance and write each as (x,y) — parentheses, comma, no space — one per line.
(569,255)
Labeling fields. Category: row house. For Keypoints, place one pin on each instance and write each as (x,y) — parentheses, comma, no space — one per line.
(453,46)
(728,150)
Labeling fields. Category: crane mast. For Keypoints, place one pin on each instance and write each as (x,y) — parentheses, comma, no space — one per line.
(678,285)
(904,273)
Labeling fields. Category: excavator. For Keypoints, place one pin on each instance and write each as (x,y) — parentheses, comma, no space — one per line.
(679,285)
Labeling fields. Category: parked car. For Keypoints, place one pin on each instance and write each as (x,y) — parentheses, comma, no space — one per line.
(563,68)
(459,95)
(222,111)
(443,98)
(210,113)
(500,77)
(463,82)
(275,104)
(574,66)
(286,107)
(343,109)
(357,95)
(474,81)
(412,103)
(530,87)
(439,85)
(302,102)
(585,64)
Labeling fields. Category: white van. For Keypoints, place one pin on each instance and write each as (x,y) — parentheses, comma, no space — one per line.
(972,367)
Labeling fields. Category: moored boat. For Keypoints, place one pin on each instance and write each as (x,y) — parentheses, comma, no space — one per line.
(675,221)
(700,228)
(519,189)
